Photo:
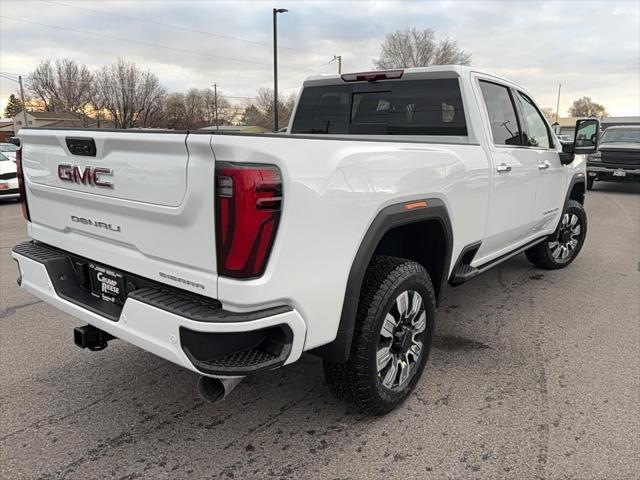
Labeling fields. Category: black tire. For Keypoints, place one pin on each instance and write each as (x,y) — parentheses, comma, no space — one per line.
(590,181)
(359,381)
(542,255)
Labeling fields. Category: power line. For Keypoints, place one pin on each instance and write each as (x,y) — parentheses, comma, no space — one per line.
(8,78)
(178,27)
(317,66)
(264,84)
(155,45)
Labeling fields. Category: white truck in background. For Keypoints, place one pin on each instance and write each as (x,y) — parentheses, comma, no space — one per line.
(230,254)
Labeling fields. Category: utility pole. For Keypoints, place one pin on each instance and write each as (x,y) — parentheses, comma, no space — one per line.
(215,104)
(24,104)
(558,104)
(339,59)
(276,11)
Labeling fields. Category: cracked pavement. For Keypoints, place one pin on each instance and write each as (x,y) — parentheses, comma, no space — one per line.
(533,374)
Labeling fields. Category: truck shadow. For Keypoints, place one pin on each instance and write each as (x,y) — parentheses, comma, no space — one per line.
(145,413)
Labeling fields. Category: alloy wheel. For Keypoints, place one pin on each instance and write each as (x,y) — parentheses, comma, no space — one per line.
(568,238)
(401,340)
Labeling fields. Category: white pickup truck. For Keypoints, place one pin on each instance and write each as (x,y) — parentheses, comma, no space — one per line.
(230,254)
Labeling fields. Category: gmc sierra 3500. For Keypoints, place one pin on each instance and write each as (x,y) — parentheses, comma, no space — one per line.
(231,254)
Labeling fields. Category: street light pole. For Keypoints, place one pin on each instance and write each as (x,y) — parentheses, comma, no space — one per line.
(276,11)
(558,104)
(215,104)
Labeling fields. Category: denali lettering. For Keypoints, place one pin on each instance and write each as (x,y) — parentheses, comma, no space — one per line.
(87,176)
(181,280)
(87,221)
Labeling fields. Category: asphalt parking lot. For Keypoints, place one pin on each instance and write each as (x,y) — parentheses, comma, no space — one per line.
(534,374)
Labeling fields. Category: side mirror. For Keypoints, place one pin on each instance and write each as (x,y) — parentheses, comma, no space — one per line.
(585,140)
(15,141)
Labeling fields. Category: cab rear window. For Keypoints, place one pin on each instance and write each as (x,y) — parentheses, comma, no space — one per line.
(409,107)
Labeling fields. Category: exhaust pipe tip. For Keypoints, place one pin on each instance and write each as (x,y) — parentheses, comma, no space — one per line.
(215,390)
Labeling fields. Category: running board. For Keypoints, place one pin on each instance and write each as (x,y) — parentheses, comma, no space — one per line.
(496,261)
(462,274)
(465,272)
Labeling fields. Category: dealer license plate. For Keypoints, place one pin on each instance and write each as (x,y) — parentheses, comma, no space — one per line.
(619,173)
(107,284)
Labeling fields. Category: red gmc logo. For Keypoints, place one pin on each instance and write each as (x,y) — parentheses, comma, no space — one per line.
(87,176)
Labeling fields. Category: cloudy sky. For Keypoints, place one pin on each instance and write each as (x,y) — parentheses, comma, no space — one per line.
(591,47)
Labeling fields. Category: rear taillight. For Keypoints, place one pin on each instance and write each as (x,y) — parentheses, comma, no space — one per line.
(248,206)
(21,188)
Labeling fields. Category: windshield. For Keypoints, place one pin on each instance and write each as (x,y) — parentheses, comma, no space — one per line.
(7,147)
(3,157)
(627,135)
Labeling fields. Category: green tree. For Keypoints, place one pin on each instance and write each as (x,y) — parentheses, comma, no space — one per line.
(585,107)
(14,106)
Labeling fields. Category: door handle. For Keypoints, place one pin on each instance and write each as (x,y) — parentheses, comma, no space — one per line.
(503,167)
(544,165)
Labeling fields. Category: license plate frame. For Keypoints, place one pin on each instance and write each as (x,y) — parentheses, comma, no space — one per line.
(619,173)
(107,284)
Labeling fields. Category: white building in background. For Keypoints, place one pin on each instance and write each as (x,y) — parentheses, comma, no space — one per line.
(46,119)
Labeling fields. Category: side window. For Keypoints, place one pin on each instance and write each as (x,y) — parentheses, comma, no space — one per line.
(502,114)
(535,130)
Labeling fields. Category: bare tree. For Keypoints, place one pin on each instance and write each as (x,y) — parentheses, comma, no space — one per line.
(585,107)
(549,113)
(132,97)
(174,111)
(225,112)
(260,112)
(196,109)
(419,48)
(184,110)
(61,86)
(97,102)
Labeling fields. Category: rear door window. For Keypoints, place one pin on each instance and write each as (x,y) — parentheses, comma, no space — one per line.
(505,127)
(410,107)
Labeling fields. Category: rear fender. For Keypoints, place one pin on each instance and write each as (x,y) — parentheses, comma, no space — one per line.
(387,219)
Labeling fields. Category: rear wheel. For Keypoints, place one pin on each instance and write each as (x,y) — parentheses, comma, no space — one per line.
(562,248)
(392,337)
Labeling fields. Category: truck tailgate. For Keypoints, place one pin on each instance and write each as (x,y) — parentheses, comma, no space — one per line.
(147,167)
(148,210)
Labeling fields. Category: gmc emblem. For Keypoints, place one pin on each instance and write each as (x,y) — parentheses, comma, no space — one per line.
(87,176)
